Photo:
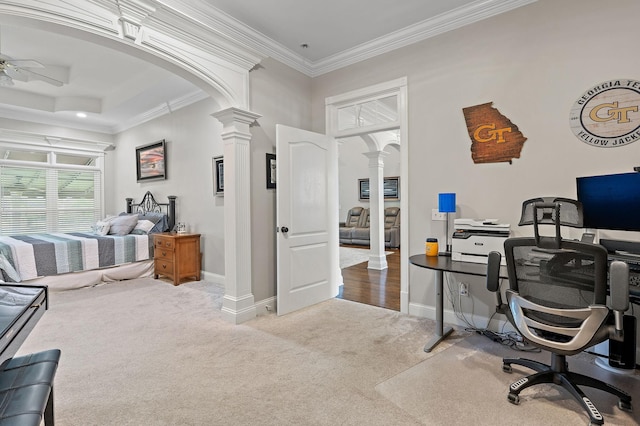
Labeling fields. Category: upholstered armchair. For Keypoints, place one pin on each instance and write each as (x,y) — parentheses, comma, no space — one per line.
(355,217)
(392,227)
(356,228)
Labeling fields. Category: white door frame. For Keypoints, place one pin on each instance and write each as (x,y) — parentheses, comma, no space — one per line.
(389,88)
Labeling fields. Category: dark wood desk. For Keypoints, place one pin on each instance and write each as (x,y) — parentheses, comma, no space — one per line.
(442,264)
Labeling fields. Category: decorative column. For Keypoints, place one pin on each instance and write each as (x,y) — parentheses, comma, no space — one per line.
(238,304)
(377,257)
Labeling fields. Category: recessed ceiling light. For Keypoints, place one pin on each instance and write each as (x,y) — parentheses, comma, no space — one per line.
(81,114)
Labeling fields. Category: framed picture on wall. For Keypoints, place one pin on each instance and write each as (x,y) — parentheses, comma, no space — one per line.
(271,171)
(391,187)
(151,161)
(363,189)
(218,175)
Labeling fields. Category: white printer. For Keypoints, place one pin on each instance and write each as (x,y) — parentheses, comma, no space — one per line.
(474,239)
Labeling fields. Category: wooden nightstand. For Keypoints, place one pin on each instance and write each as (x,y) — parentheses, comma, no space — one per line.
(176,256)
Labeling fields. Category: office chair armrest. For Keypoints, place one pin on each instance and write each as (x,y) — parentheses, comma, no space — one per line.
(493,279)
(619,291)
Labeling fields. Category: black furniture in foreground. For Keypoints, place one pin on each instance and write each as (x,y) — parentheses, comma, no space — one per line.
(26,382)
(442,264)
(557,300)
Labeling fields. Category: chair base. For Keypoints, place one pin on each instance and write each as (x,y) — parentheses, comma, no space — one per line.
(559,374)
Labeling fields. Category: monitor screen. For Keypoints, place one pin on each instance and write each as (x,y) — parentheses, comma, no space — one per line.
(610,201)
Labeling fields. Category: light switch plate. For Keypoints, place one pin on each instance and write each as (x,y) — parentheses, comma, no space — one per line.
(436,215)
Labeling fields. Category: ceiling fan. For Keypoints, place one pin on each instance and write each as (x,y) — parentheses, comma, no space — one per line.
(21,70)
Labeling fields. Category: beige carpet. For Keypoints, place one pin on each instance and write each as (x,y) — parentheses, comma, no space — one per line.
(466,385)
(143,352)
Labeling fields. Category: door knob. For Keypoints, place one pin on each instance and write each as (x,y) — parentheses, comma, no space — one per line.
(284,229)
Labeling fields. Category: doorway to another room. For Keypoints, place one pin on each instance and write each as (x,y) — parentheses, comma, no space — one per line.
(371,126)
(361,283)
(369,286)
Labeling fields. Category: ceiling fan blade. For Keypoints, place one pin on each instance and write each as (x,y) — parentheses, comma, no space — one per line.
(25,63)
(15,74)
(28,75)
(37,76)
(22,63)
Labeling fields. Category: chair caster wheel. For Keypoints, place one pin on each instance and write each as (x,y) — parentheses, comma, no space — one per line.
(507,368)
(513,398)
(624,406)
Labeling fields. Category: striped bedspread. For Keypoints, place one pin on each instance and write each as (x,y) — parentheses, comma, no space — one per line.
(37,255)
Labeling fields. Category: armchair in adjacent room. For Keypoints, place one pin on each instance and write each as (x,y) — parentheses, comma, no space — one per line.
(392,227)
(557,301)
(356,217)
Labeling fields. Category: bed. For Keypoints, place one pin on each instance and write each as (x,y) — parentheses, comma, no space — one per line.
(117,248)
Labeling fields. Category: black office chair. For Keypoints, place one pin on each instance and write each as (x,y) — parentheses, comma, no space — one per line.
(557,301)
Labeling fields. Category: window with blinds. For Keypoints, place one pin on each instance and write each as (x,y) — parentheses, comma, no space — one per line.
(48,198)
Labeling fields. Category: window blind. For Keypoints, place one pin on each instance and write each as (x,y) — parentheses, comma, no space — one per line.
(48,198)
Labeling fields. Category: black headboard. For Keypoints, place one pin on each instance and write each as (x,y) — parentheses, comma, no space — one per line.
(149,204)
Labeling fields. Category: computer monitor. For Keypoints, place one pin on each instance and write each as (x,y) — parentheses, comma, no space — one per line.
(610,201)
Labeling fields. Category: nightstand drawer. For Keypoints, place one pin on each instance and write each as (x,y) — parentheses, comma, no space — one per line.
(164,267)
(164,243)
(163,253)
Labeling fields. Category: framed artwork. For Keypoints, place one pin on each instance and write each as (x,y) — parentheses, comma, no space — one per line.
(391,187)
(271,171)
(363,189)
(151,161)
(218,175)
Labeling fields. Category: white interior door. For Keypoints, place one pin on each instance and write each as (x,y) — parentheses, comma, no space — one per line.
(307,218)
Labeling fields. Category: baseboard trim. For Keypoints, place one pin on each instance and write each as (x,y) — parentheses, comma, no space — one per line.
(210,276)
(449,317)
(267,306)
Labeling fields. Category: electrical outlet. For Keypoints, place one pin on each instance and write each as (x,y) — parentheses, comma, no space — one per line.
(464,290)
(436,215)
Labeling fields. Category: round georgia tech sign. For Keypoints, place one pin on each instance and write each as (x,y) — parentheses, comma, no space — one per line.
(607,115)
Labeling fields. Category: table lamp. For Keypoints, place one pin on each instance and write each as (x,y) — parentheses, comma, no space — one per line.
(447,204)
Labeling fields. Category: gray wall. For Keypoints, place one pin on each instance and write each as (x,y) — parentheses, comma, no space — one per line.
(193,139)
(283,96)
(532,63)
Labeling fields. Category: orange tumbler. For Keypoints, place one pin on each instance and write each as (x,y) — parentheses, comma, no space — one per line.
(431,247)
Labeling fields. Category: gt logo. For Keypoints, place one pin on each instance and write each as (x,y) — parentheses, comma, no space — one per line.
(488,133)
(613,113)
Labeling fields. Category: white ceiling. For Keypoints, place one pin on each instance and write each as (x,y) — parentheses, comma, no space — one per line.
(120,91)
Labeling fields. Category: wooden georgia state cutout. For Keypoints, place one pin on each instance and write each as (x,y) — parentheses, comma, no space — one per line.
(494,138)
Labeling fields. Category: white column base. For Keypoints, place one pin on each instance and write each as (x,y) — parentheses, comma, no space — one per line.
(238,310)
(377,262)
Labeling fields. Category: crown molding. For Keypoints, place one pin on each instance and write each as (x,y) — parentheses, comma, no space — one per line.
(241,33)
(457,18)
(160,110)
(18,139)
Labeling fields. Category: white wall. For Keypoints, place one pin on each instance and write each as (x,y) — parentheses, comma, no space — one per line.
(532,63)
(193,139)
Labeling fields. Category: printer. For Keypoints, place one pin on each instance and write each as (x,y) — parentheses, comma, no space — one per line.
(474,239)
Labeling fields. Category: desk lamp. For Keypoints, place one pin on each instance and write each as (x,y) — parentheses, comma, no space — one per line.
(447,204)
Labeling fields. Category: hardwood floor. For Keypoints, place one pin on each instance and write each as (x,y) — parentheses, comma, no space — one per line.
(377,288)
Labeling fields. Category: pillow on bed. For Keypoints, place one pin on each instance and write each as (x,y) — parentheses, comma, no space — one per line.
(160,221)
(102,227)
(143,227)
(123,225)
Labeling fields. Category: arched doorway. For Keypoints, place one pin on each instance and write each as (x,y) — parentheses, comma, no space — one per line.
(214,62)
